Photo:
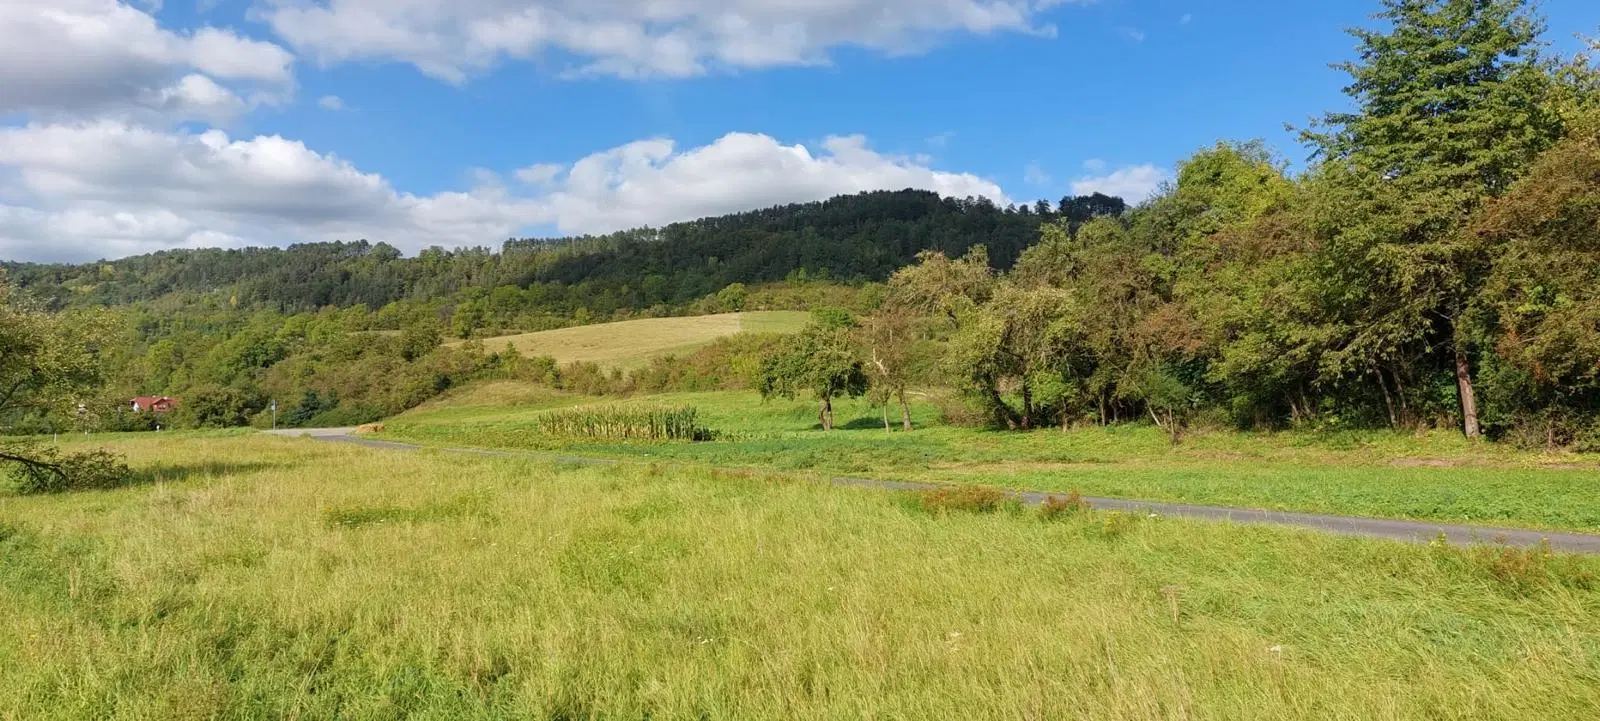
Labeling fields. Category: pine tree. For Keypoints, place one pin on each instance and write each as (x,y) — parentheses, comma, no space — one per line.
(1451,110)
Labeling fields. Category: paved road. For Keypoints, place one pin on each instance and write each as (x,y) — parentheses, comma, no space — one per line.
(1395,530)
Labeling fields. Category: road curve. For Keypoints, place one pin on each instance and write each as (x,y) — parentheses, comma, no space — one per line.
(1384,528)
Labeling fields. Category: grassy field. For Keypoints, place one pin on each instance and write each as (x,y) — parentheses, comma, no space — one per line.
(630,344)
(257,577)
(1436,476)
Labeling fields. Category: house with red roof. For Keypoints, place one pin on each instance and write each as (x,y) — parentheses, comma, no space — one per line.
(154,404)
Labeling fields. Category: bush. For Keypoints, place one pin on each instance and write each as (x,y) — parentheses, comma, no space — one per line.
(955,410)
(729,363)
(1118,523)
(964,499)
(126,421)
(1057,507)
(38,470)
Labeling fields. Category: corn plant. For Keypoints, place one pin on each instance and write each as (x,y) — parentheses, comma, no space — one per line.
(624,423)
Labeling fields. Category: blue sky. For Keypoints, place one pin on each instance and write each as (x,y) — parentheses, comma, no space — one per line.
(127,127)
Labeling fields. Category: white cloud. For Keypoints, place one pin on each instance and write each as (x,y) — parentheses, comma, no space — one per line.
(1035,175)
(1134,184)
(542,174)
(96,56)
(450,39)
(941,140)
(1132,33)
(196,96)
(331,102)
(1094,165)
(650,183)
(108,188)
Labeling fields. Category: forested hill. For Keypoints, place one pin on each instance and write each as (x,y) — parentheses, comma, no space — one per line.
(856,237)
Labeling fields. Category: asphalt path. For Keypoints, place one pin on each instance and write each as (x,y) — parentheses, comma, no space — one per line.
(1384,528)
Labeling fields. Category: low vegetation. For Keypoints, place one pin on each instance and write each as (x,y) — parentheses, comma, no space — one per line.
(623,423)
(1434,475)
(437,586)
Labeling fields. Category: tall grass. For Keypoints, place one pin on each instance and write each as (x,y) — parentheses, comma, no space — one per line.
(623,423)
(291,579)
(1437,477)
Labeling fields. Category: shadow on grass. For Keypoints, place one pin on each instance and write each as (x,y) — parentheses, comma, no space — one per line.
(180,472)
(864,423)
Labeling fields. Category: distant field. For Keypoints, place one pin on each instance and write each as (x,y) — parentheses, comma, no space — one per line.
(264,578)
(632,343)
(1437,476)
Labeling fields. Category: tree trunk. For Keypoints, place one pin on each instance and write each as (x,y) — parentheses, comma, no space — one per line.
(1027,407)
(886,428)
(1154,416)
(825,415)
(1004,412)
(905,411)
(1400,396)
(1388,400)
(1469,398)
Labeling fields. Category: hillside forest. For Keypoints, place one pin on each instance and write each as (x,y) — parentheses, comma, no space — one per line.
(1435,263)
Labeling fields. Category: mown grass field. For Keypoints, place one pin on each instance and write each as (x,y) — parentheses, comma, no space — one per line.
(1436,476)
(630,344)
(257,577)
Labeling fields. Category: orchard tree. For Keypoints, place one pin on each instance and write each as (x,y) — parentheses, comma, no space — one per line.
(822,361)
(50,363)
(937,285)
(890,337)
(1022,339)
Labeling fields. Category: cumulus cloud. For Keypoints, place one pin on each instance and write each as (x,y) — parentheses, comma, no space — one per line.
(1134,184)
(449,39)
(98,56)
(650,183)
(108,188)
(196,96)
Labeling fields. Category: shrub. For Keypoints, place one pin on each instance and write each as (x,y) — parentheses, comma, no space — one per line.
(1117,524)
(967,499)
(1057,507)
(37,470)
(955,410)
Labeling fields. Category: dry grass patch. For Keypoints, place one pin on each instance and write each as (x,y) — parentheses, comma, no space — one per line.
(632,343)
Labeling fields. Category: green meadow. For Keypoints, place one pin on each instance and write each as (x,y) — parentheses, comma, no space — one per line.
(1433,476)
(262,577)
